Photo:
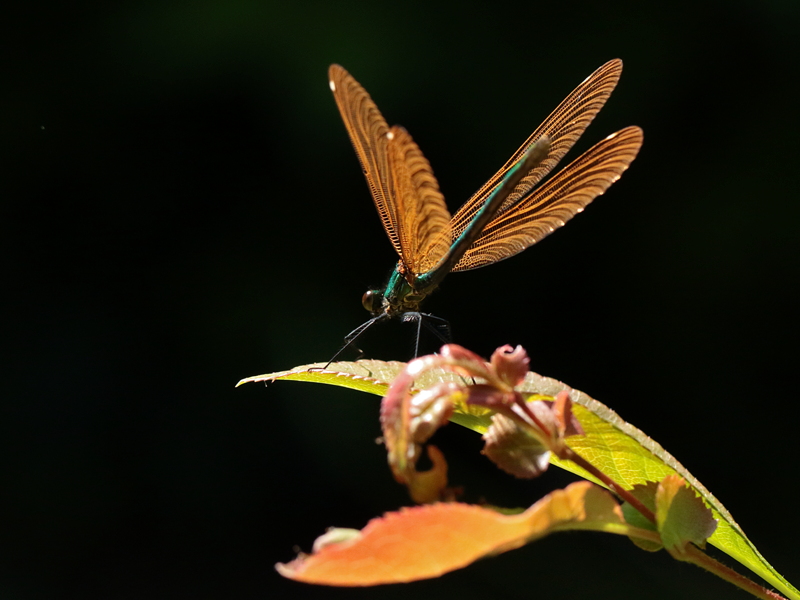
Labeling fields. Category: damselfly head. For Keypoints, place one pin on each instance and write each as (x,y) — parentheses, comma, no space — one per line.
(372,300)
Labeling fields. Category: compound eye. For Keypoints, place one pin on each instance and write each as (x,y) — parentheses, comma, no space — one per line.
(371,300)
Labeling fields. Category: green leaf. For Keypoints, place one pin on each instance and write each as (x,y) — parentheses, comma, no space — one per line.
(615,446)
(681,516)
(646,494)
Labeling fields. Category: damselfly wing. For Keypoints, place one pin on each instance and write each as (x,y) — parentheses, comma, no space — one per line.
(509,213)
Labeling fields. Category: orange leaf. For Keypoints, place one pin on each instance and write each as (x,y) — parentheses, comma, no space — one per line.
(428,541)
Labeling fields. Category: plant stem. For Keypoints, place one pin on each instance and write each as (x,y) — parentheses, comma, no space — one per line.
(692,553)
(613,485)
(696,556)
(523,405)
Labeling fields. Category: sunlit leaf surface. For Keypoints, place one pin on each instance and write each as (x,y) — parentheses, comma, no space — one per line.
(616,447)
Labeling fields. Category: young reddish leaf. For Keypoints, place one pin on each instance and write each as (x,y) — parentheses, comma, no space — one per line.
(510,364)
(681,516)
(431,485)
(567,421)
(408,421)
(522,436)
(427,541)
(514,450)
(465,362)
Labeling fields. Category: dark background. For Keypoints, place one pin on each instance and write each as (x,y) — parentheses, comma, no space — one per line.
(180,208)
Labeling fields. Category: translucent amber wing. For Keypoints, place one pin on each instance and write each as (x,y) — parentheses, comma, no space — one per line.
(367,129)
(422,216)
(549,207)
(564,126)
